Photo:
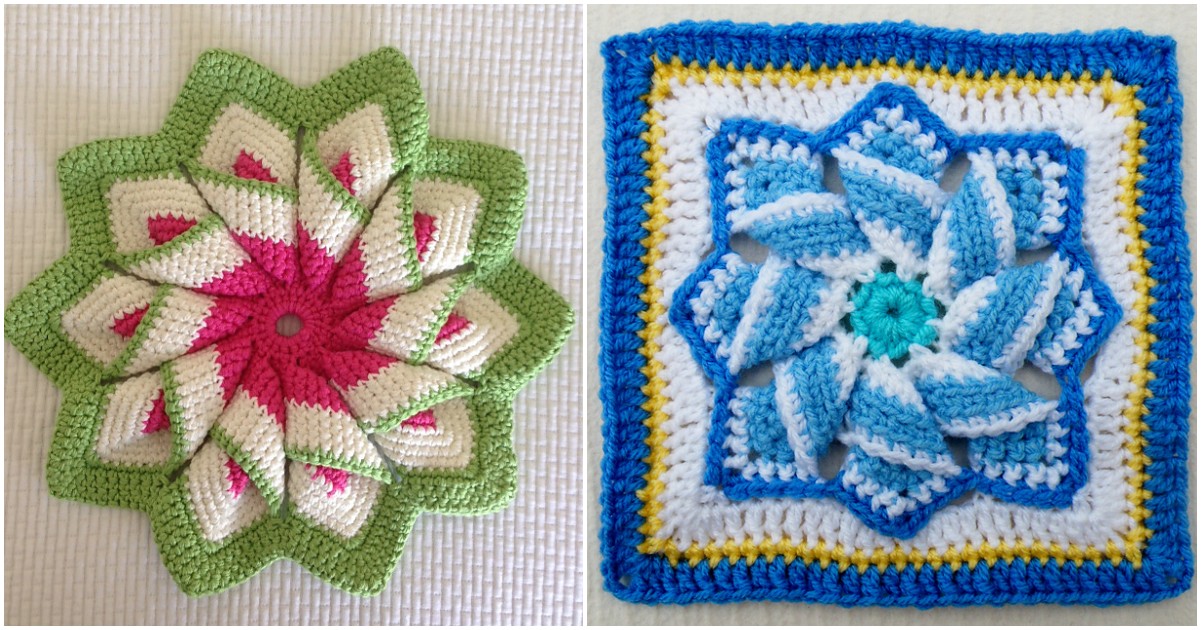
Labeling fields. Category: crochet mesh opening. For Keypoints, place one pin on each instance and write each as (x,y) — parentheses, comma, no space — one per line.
(829,464)
(749,249)
(966,497)
(959,450)
(288,325)
(831,179)
(952,178)
(756,376)
(1038,381)
(1031,256)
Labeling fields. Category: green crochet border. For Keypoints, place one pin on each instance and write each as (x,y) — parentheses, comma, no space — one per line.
(364,563)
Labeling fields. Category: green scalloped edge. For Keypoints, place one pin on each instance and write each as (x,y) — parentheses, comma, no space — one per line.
(489,482)
(498,175)
(355,565)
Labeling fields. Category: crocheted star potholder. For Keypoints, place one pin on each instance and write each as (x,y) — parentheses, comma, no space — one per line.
(288,323)
(894,315)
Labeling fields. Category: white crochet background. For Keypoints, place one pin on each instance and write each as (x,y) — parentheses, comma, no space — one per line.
(506,76)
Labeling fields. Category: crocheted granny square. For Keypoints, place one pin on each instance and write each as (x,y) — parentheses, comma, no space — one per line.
(894,315)
(288,323)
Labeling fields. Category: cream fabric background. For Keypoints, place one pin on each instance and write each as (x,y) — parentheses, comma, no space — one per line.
(605,21)
(507,76)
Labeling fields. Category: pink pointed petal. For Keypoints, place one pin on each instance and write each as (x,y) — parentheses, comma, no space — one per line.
(261,383)
(305,387)
(157,420)
(233,355)
(224,319)
(275,257)
(454,325)
(337,479)
(350,282)
(351,368)
(164,229)
(127,323)
(244,144)
(247,167)
(316,263)
(360,327)
(424,228)
(238,479)
(343,172)
(244,280)
(423,420)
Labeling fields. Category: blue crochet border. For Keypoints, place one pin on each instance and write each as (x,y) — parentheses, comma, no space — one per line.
(1134,59)
(737,487)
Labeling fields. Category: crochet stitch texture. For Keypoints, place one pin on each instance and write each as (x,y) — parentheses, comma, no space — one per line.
(289,323)
(894,315)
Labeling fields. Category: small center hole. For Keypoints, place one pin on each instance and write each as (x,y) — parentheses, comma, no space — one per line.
(288,325)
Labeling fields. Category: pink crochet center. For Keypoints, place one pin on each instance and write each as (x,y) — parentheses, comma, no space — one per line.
(312,366)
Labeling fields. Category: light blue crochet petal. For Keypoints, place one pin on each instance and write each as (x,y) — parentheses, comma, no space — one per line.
(897,138)
(784,428)
(1024,193)
(1075,315)
(1026,447)
(970,400)
(997,320)
(768,180)
(1013,434)
(776,318)
(873,199)
(754,409)
(881,415)
(720,299)
(898,469)
(815,395)
(971,240)
(805,234)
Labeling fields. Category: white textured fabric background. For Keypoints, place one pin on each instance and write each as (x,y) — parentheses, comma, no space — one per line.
(603,22)
(507,76)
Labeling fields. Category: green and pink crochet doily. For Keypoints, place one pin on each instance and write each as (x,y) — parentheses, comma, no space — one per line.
(288,323)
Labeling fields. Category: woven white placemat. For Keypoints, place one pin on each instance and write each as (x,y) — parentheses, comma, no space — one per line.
(507,76)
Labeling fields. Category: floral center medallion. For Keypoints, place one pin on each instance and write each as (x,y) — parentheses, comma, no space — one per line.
(893,315)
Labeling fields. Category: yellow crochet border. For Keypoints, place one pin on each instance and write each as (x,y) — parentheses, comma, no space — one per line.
(1125,97)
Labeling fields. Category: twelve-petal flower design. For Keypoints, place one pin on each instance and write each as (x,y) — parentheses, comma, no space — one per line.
(289,322)
(895,314)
